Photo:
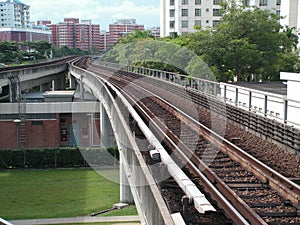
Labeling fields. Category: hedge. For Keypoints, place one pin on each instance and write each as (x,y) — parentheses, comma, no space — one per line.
(58,158)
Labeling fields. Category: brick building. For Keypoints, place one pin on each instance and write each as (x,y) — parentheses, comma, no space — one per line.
(122,27)
(53,119)
(24,34)
(75,34)
(15,23)
(14,14)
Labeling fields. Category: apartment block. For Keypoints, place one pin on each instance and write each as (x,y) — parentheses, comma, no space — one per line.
(182,16)
(290,11)
(155,31)
(14,14)
(75,34)
(15,23)
(122,27)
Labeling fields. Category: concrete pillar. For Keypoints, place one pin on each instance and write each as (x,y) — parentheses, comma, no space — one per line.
(81,88)
(56,85)
(45,87)
(125,192)
(63,82)
(72,80)
(108,140)
(59,83)
(107,134)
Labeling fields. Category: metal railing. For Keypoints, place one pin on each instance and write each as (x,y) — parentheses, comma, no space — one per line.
(254,110)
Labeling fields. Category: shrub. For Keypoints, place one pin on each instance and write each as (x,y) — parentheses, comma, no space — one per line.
(57,158)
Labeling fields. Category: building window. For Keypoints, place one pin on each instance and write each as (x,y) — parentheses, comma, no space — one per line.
(172,34)
(278,2)
(207,10)
(246,3)
(217,12)
(198,23)
(184,2)
(37,123)
(207,21)
(172,24)
(216,22)
(197,12)
(172,12)
(263,2)
(278,12)
(184,24)
(172,2)
(184,12)
(217,2)
(197,2)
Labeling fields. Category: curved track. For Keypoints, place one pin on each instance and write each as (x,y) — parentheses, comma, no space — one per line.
(262,195)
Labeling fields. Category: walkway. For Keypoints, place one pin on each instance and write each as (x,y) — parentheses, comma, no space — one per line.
(86,219)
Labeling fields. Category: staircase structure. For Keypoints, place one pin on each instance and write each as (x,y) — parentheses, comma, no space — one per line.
(22,116)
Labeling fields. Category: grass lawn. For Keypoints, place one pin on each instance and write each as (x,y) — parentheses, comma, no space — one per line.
(36,194)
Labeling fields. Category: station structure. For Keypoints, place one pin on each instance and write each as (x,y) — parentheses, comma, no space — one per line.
(87,115)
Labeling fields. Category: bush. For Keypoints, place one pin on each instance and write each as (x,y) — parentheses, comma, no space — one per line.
(57,158)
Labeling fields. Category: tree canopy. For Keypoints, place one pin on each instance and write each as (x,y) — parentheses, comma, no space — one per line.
(33,51)
(248,45)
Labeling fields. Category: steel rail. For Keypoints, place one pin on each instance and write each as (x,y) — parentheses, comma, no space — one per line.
(282,185)
(229,209)
(189,188)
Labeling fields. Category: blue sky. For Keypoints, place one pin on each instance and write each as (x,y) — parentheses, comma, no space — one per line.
(101,12)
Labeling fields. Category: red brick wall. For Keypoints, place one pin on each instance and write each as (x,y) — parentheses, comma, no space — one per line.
(43,136)
(37,136)
(7,135)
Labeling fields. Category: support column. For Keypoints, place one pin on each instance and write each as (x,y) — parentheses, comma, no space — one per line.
(63,82)
(107,134)
(72,80)
(81,88)
(108,140)
(45,87)
(56,85)
(59,83)
(125,192)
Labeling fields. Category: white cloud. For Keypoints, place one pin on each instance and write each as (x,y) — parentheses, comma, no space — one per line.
(99,11)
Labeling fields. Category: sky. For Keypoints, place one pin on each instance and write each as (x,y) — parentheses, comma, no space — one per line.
(103,12)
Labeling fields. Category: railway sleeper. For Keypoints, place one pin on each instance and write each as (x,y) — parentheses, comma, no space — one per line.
(246,186)
(278,214)
(280,223)
(262,205)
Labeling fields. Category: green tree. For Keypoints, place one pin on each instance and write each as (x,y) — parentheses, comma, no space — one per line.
(135,36)
(9,52)
(247,43)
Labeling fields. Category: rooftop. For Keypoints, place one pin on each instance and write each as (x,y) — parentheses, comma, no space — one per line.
(279,88)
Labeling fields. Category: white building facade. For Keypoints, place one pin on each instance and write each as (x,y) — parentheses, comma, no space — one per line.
(183,16)
(290,10)
(14,14)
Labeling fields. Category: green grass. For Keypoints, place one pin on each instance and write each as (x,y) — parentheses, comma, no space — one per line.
(33,194)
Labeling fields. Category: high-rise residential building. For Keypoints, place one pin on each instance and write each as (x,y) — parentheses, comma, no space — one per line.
(290,11)
(15,23)
(75,34)
(122,27)
(155,31)
(182,16)
(104,38)
(14,14)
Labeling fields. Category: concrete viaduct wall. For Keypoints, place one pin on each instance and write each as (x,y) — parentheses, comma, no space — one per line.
(45,76)
(136,178)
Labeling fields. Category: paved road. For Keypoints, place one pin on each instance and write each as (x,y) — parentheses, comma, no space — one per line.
(78,220)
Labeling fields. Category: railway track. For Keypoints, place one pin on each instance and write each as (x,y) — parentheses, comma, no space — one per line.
(262,195)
